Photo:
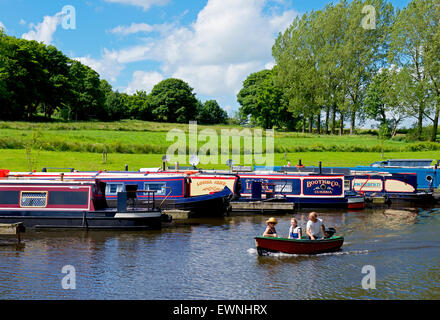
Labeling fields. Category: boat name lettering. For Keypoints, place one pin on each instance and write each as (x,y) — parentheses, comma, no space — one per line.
(331,183)
(207,182)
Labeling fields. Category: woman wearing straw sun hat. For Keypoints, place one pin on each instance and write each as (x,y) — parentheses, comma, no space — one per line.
(270,230)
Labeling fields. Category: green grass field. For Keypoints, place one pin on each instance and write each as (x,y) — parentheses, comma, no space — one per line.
(16,160)
(141,144)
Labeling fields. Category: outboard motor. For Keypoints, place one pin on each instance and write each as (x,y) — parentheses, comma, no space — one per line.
(330,232)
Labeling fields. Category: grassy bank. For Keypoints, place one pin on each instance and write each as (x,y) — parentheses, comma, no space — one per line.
(138,137)
(16,160)
(141,144)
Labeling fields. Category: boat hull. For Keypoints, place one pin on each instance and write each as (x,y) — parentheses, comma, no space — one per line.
(88,220)
(291,246)
(215,204)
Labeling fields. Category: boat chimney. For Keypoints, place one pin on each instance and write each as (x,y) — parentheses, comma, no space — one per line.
(126,167)
(62,176)
(300,163)
(164,166)
(177,166)
(320,167)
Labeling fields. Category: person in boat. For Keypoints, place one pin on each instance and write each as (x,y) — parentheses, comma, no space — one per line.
(315,228)
(294,230)
(270,230)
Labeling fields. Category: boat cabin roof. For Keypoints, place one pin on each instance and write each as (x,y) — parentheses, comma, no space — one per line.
(403,163)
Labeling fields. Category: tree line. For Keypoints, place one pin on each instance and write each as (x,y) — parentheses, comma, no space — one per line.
(350,62)
(38,80)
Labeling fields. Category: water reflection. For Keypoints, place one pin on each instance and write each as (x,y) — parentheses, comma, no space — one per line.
(217,259)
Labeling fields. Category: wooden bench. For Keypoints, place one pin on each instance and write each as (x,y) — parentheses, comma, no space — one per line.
(14,229)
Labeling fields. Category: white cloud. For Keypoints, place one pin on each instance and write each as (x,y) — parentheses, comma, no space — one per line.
(143,81)
(269,65)
(141,27)
(22,22)
(2,26)
(144,4)
(229,40)
(44,31)
(133,28)
(107,66)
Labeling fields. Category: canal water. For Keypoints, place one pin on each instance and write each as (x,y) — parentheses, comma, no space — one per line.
(217,259)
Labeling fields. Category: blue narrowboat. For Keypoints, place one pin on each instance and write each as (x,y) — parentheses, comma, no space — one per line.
(201,194)
(428,175)
(395,187)
(305,190)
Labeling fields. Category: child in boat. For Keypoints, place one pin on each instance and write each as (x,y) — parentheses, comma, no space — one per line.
(294,231)
(270,230)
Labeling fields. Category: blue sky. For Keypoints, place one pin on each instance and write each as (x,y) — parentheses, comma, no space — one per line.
(212,44)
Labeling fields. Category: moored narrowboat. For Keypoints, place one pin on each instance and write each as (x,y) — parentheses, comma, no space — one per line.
(394,187)
(304,189)
(61,204)
(201,194)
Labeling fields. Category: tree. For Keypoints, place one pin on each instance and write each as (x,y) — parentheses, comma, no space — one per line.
(415,46)
(211,113)
(385,99)
(55,87)
(86,99)
(364,49)
(173,100)
(326,58)
(263,100)
(140,106)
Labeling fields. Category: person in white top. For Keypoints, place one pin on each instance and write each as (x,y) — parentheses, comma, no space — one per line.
(315,228)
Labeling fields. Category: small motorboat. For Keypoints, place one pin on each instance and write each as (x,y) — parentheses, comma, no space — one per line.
(298,246)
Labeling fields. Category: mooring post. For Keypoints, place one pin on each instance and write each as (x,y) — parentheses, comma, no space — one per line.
(84,222)
(18,234)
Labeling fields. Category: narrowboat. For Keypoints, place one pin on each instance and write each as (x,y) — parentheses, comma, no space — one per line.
(394,187)
(61,204)
(201,194)
(428,175)
(306,190)
(298,246)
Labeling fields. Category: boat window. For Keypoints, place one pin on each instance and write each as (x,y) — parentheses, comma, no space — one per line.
(9,197)
(283,187)
(33,199)
(159,187)
(347,185)
(68,198)
(114,188)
